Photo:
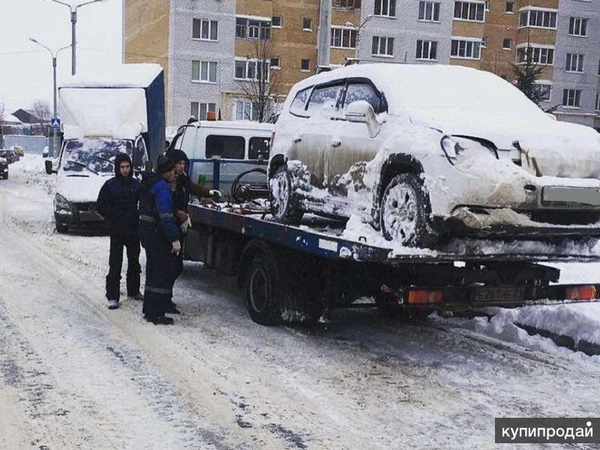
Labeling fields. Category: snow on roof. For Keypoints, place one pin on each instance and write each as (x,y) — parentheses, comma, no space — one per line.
(118,76)
(417,88)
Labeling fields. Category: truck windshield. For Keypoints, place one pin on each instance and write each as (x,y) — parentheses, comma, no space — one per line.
(93,155)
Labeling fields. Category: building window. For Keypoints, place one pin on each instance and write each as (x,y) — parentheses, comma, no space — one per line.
(578,26)
(385,8)
(346,3)
(427,50)
(307,24)
(543,90)
(207,30)
(538,55)
(343,37)
(276,21)
(382,46)
(469,11)
(466,49)
(574,62)
(429,11)
(597,102)
(252,29)
(572,98)
(537,18)
(507,44)
(245,111)
(204,71)
(199,110)
(251,69)
(305,65)
(510,7)
(275,63)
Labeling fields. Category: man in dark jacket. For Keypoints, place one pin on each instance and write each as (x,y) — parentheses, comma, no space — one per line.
(160,238)
(182,188)
(118,204)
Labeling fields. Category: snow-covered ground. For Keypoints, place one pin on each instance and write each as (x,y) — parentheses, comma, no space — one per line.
(75,375)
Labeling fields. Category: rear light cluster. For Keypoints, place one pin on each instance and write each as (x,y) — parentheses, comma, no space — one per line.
(580,292)
(423,297)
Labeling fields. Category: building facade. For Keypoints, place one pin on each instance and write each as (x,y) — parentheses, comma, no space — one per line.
(217,54)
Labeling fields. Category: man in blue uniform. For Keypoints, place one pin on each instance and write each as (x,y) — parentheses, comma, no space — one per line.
(118,204)
(160,238)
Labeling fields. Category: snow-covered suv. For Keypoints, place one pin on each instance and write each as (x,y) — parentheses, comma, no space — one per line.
(424,151)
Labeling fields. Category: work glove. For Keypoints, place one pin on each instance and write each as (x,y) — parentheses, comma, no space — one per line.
(215,193)
(176,247)
(186,225)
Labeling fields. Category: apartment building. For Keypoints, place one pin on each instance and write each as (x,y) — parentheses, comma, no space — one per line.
(216,53)
(214,50)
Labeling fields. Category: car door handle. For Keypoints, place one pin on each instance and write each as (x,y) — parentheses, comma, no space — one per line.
(297,140)
(336,143)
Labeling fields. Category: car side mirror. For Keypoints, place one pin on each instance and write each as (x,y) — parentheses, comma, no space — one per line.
(49,169)
(362,112)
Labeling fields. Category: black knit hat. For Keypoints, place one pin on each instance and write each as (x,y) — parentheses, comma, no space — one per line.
(178,155)
(164,164)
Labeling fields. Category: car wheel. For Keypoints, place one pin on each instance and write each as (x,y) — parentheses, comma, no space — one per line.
(404,212)
(262,291)
(61,227)
(284,205)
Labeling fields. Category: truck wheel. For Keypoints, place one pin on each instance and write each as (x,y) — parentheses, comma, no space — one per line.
(262,291)
(61,227)
(284,205)
(404,212)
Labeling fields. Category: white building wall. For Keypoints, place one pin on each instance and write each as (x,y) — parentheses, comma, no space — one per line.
(184,49)
(406,29)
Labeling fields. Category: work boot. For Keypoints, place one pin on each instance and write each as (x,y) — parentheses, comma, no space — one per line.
(137,296)
(113,304)
(172,309)
(159,319)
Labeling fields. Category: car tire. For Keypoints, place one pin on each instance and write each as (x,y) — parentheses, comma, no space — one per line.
(405,211)
(61,227)
(261,286)
(284,204)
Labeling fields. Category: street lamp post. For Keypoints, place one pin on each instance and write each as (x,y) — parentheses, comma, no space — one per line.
(73,31)
(54,56)
(350,24)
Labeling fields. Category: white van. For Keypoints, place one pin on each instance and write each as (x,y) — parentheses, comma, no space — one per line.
(219,151)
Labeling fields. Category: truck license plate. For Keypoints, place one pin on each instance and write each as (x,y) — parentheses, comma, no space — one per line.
(498,294)
(584,196)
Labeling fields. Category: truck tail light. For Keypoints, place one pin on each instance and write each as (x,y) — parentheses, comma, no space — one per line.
(420,297)
(580,292)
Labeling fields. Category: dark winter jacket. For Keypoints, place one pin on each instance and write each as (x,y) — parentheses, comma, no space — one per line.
(156,207)
(118,201)
(183,186)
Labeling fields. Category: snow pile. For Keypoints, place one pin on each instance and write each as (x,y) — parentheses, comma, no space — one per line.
(31,169)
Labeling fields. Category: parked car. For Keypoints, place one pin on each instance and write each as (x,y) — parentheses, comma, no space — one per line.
(4,168)
(19,151)
(426,152)
(10,155)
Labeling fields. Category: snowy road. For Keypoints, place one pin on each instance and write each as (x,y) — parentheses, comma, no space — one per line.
(74,375)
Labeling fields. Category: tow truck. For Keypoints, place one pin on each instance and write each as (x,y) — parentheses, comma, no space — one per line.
(301,273)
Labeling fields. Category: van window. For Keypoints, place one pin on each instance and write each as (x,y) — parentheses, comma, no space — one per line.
(228,147)
(259,146)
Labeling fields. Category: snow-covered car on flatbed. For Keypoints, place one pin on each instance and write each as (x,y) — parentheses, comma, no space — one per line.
(422,152)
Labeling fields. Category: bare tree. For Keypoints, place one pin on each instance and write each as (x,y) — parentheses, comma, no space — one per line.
(2,111)
(41,110)
(262,84)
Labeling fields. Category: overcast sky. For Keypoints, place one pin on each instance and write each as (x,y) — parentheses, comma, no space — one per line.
(26,68)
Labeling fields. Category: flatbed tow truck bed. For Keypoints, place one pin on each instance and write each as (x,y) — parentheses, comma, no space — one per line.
(300,273)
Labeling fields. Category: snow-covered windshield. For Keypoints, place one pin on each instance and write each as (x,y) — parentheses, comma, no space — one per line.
(93,155)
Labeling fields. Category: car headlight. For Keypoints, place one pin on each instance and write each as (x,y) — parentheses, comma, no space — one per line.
(61,203)
(451,148)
